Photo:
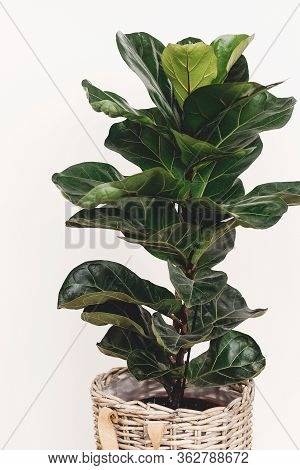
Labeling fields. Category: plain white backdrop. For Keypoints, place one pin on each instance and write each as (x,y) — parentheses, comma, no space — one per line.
(47,361)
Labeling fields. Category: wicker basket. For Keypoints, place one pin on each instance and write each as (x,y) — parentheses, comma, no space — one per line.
(123,424)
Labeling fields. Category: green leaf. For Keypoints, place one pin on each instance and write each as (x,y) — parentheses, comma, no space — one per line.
(215,243)
(228,49)
(156,182)
(208,104)
(240,125)
(142,53)
(110,217)
(175,242)
(232,358)
(189,40)
(194,151)
(114,105)
(119,342)
(223,313)
(216,179)
(78,180)
(96,282)
(189,67)
(202,288)
(215,246)
(171,340)
(237,191)
(257,212)
(134,216)
(239,71)
(146,365)
(289,191)
(122,314)
(145,147)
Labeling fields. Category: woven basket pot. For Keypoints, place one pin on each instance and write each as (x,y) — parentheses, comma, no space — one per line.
(123,421)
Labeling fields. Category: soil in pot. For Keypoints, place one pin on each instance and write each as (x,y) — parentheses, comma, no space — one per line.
(188,403)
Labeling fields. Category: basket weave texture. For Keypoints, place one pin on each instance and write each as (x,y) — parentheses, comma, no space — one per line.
(223,427)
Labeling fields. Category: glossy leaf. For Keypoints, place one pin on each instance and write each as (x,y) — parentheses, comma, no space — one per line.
(189,40)
(232,358)
(156,182)
(120,342)
(96,282)
(241,124)
(239,72)
(135,216)
(215,246)
(208,104)
(189,67)
(78,180)
(113,105)
(195,152)
(146,365)
(145,147)
(216,242)
(237,191)
(204,286)
(122,314)
(142,53)
(258,212)
(175,242)
(289,191)
(171,340)
(217,178)
(228,49)
(226,311)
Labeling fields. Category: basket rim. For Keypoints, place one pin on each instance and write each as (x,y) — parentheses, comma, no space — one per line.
(137,405)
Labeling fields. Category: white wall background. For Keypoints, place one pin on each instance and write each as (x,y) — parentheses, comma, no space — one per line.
(40,135)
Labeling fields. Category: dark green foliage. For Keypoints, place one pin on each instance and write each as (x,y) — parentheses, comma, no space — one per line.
(183,206)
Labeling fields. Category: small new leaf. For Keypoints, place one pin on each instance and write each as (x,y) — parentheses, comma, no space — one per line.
(189,67)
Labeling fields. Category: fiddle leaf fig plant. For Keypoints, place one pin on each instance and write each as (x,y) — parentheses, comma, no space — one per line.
(183,206)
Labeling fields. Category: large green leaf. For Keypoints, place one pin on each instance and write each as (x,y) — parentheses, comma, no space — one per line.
(202,288)
(189,67)
(145,147)
(240,125)
(195,152)
(135,216)
(182,243)
(223,313)
(237,191)
(209,103)
(146,365)
(228,49)
(216,242)
(155,182)
(96,282)
(215,179)
(255,212)
(122,314)
(175,242)
(114,105)
(289,191)
(171,340)
(78,180)
(120,342)
(232,358)
(239,72)
(142,53)
(259,212)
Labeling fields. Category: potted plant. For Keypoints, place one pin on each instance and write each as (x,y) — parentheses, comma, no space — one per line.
(183,207)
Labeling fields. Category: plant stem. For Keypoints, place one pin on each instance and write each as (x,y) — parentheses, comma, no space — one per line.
(187,362)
